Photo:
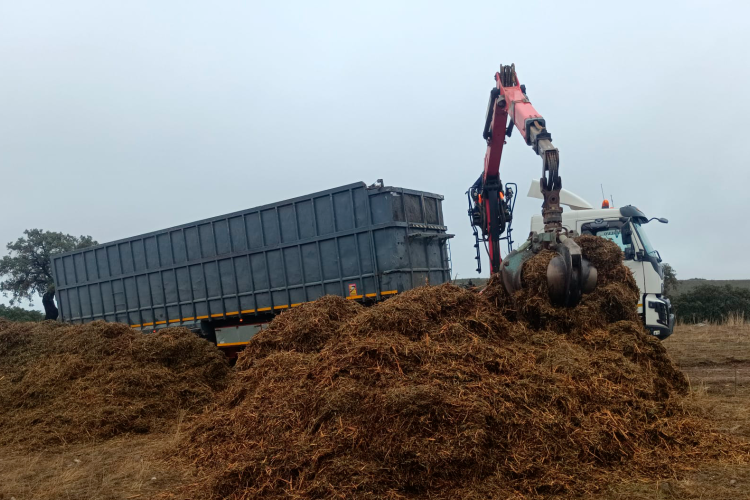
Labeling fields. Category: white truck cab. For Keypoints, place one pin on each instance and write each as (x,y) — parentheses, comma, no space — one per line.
(625,226)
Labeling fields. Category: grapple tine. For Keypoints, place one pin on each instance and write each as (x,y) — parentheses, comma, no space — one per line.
(569,275)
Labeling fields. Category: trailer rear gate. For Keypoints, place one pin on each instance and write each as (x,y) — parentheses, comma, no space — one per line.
(352,241)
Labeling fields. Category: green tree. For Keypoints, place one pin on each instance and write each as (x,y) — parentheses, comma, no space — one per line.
(712,303)
(670,280)
(19,314)
(27,270)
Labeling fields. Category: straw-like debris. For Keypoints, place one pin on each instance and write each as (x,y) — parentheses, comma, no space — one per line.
(447,393)
(61,384)
(303,329)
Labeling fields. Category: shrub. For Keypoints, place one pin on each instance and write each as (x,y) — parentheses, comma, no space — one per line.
(710,303)
(14,313)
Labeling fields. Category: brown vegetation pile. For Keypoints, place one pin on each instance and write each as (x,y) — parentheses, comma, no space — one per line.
(62,384)
(442,392)
(303,329)
(613,300)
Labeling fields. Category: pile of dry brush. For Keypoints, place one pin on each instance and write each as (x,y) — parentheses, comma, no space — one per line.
(63,384)
(448,393)
(440,393)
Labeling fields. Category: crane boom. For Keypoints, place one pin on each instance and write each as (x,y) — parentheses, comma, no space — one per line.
(492,208)
(509,99)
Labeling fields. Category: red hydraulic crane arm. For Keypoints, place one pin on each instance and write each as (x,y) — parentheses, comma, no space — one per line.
(508,98)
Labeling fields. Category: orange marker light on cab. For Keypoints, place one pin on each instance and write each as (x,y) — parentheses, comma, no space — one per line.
(605,204)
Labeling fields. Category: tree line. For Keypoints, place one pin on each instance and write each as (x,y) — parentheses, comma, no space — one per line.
(706,303)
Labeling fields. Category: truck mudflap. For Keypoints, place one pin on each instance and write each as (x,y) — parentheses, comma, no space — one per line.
(658,316)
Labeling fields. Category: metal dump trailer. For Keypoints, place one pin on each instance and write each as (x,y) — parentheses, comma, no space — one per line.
(228,274)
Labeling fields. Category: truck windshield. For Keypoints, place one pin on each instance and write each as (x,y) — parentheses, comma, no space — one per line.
(647,247)
(614,234)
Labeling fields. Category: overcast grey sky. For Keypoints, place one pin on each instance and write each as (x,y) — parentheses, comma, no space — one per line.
(119,118)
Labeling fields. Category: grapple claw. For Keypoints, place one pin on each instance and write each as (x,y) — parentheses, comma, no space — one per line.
(569,275)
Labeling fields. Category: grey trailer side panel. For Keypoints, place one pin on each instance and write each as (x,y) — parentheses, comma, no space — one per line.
(352,241)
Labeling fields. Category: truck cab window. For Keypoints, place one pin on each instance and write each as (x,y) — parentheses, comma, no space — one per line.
(611,230)
(645,242)
(614,234)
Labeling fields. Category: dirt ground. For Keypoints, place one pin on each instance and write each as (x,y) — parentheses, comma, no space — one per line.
(715,358)
(127,467)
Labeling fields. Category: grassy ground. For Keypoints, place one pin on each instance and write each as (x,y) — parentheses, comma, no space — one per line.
(124,468)
(715,358)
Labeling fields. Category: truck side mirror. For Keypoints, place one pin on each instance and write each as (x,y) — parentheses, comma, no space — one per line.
(660,219)
(629,253)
